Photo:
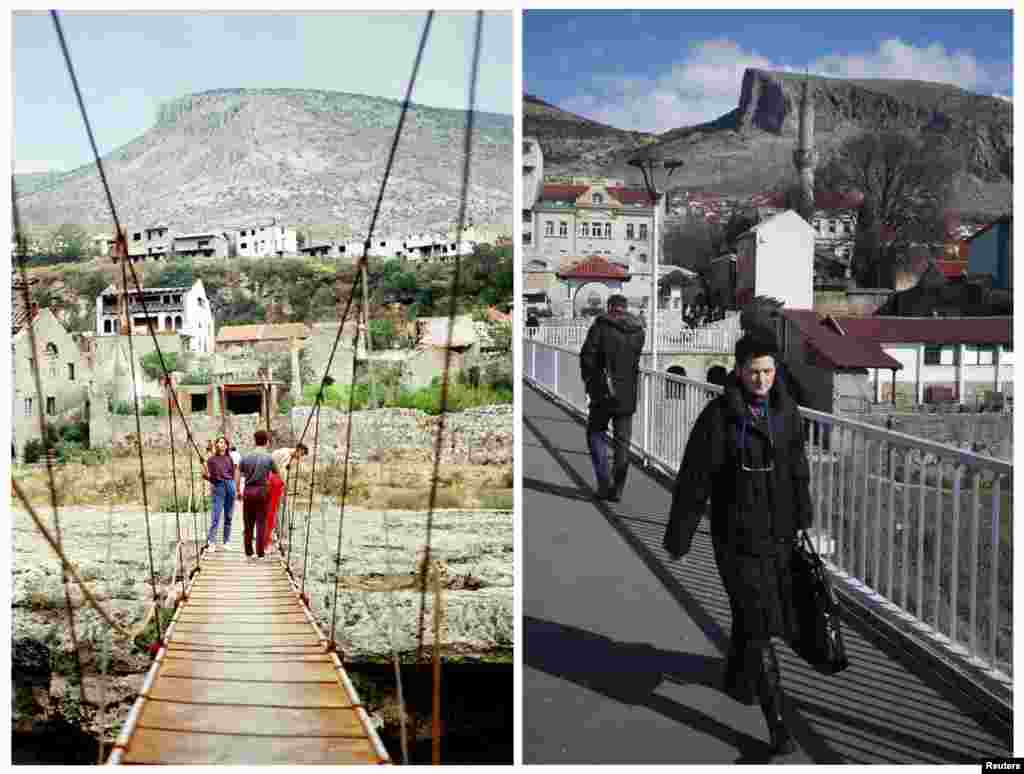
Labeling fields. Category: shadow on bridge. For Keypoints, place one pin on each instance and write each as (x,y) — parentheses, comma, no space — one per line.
(624,648)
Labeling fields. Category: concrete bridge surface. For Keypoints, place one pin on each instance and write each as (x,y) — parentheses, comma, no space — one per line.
(624,648)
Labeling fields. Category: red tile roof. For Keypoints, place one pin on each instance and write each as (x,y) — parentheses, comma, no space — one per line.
(562,192)
(630,195)
(840,351)
(595,268)
(929,330)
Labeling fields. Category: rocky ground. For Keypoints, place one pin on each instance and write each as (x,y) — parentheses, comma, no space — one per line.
(378,602)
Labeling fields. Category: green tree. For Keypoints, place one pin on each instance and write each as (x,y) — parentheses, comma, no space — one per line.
(150,363)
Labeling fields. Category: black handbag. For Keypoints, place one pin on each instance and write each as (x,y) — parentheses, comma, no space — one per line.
(819,636)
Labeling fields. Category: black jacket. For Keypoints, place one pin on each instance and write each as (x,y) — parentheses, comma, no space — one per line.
(613,348)
(750,510)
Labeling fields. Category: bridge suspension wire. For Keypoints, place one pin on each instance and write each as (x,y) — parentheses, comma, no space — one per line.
(467,149)
(312,489)
(44,434)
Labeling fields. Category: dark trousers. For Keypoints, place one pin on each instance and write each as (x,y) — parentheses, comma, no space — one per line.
(254,516)
(622,427)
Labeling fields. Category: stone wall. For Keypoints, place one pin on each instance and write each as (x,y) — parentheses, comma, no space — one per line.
(989,434)
(477,436)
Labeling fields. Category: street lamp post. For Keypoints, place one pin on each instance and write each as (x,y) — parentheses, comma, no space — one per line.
(656,169)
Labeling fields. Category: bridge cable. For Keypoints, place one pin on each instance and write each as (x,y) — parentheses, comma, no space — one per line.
(452,308)
(312,486)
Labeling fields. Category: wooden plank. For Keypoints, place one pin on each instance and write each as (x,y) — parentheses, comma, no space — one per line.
(256,671)
(180,689)
(249,650)
(269,626)
(246,640)
(275,721)
(245,657)
(201,616)
(152,746)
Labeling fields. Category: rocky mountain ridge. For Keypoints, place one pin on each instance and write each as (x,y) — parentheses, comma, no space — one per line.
(226,157)
(749,149)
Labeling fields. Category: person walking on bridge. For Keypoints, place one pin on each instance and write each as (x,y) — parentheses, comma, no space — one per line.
(255,470)
(610,366)
(222,475)
(276,484)
(746,453)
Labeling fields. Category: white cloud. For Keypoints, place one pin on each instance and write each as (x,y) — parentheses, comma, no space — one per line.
(705,84)
(31,167)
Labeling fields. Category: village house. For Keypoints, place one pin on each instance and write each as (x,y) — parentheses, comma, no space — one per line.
(264,241)
(990,251)
(183,311)
(261,337)
(205,244)
(63,374)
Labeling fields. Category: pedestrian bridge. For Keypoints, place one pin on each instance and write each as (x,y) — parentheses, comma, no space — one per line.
(246,677)
(624,647)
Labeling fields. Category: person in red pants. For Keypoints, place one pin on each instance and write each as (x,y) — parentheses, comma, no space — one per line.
(283,458)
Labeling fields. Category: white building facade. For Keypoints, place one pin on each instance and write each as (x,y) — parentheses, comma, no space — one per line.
(179,310)
(265,241)
(775,258)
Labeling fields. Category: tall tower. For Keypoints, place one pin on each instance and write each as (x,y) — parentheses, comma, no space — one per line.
(805,158)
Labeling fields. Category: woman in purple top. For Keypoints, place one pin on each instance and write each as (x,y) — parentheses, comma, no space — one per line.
(220,472)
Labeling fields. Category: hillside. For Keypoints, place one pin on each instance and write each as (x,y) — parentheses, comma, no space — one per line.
(225,157)
(750,148)
(573,144)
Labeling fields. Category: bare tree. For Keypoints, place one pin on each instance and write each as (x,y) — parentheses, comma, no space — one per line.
(691,243)
(906,183)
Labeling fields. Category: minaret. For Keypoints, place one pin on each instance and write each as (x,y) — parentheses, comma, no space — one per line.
(805,158)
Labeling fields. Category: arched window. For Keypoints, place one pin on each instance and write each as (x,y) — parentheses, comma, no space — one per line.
(51,350)
(177,322)
(168,322)
(106,326)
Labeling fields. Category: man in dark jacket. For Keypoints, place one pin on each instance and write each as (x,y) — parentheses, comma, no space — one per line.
(610,365)
(746,453)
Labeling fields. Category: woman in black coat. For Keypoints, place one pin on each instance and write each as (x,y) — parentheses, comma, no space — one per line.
(746,453)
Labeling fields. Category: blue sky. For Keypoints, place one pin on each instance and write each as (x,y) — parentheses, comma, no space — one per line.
(658,70)
(127,64)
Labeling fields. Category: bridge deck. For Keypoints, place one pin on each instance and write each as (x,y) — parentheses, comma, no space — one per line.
(245,679)
(624,648)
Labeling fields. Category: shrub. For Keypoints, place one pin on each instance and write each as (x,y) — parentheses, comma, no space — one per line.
(151,363)
(33,451)
(123,407)
(153,407)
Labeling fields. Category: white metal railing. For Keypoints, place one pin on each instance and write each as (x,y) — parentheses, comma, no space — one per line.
(720,338)
(924,527)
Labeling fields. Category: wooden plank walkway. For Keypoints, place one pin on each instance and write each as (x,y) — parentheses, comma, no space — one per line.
(244,678)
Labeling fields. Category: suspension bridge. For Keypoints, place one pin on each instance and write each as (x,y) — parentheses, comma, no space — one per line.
(626,661)
(243,673)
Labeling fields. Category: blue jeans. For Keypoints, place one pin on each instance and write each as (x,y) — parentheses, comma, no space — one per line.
(597,423)
(223,500)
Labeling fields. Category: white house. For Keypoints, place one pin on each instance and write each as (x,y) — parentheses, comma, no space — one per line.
(942,357)
(775,258)
(176,310)
(265,241)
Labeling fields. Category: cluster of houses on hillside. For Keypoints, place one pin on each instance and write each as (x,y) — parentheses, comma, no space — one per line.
(268,239)
(82,374)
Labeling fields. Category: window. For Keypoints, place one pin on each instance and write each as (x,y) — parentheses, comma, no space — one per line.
(136,236)
(51,405)
(28,407)
(51,350)
(177,322)
(71,372)
(242,233)
(563,229)
(643,232)
(642,257)
(200,302)
(832,226)
(979,354)
(607,230)
(106,326)
(584,229)
(938,355)
(203,242)
(597,199)
(629,231)
(244,245)
(549,228)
